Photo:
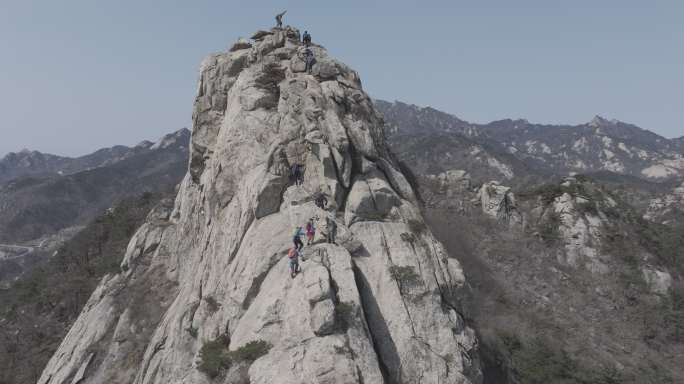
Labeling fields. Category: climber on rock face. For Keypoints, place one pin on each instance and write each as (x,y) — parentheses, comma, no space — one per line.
(279,19)
(309,60)
(296,174)
(297,238)
(306,38)
(310,231)
(293,263)
(293,173)
(332,229)
(300,174)
(321,200)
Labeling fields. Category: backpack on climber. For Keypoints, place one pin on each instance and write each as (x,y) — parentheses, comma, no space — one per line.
(297,238)
(310,231)
(293,262)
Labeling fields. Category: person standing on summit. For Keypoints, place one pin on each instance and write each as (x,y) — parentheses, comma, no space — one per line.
(279,19)
(306,38)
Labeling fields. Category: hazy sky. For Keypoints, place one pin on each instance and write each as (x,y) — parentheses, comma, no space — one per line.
(77,75)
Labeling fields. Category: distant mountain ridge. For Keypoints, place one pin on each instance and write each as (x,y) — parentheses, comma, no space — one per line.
(599,145)
(680,142)
(402,118)
(43,201)
(38,164)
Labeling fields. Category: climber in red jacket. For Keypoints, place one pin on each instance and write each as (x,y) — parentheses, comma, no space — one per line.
(293,263)
(310,232)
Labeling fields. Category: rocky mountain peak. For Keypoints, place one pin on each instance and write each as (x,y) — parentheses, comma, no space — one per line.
(206,278)
(178,138)
(599,121)
(144,144)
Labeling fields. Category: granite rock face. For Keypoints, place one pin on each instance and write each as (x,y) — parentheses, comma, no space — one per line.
(379,306)
(663,209)
(498,201)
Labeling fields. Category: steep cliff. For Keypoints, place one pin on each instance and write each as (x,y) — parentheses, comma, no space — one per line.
(381,305)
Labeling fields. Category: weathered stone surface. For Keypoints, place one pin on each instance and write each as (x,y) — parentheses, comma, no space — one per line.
(317,284)
(337,321)
(81,371)
(371,198)
(323,318)
(498,201)
(240,44)
(580,233)
(661,208)
(325,70)
(658,281)
(260,34)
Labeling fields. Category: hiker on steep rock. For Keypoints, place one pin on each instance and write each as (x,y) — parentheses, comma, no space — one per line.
(309,60)
(296,174)
(293,262)
(279,19)
(321,200)
(297,238)
(332,229)
(300,174)
(310,231)
(306,38)
(293,173)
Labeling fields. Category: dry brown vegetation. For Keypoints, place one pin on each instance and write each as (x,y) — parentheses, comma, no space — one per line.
(542,322)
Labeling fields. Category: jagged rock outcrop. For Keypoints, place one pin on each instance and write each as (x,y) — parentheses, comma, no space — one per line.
(660,209)
(382,306)
(580,233)
(498,201)
(450,190)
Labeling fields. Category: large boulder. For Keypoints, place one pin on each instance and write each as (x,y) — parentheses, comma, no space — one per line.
(323,318)
(371,198)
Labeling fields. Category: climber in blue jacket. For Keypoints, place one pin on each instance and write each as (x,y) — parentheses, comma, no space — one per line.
(297,238)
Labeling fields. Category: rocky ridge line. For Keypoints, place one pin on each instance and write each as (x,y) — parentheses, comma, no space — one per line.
(379,307)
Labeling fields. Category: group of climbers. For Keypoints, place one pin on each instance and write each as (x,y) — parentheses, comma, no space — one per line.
(309,59)
(321,201)
(295,253)
(308,56)
(297,178)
